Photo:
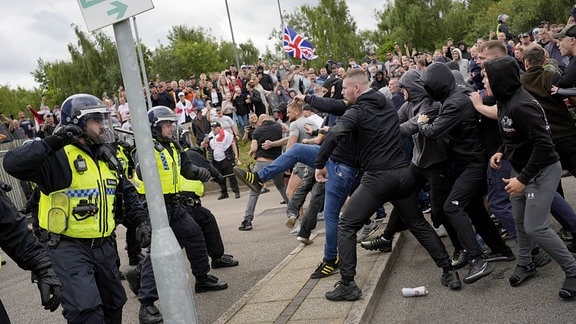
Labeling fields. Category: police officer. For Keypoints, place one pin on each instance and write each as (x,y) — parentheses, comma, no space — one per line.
(23,247)
(79,181)
(172,163)
(192,190)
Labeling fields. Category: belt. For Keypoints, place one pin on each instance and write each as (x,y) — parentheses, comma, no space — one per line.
(91,242)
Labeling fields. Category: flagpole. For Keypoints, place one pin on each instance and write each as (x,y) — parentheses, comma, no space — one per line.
(233,41)
(281,18)
(281,27)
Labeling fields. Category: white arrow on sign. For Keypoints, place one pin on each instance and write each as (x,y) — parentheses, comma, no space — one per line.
(101,13)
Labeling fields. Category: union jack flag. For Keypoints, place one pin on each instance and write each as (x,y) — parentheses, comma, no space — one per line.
(296,45)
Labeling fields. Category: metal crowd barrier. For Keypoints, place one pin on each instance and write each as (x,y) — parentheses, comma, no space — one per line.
(16,194)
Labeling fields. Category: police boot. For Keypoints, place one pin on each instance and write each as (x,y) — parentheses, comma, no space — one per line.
(149,314)
(133,278)
(209,283)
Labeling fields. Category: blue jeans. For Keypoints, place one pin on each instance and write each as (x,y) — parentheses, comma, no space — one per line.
(341,178)
(303,153)
(498,198)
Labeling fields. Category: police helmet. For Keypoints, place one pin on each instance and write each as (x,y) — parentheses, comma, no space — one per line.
(503,17)
(159,114)
(78,109)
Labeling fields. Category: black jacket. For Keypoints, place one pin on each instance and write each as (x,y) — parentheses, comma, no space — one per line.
(457,119)
(15,237)
(345,151)
(371,124)
(527,142)
(38,162)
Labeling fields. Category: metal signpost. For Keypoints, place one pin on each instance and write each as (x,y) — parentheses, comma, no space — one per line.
(170,273)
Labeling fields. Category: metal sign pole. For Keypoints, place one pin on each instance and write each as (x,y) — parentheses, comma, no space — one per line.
(170,273)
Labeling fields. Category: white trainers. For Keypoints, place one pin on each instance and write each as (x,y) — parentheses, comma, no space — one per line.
(291,221)
(366,231)
(296,229)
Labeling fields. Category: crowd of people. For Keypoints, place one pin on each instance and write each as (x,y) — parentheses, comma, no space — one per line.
(467,125)
(491,122)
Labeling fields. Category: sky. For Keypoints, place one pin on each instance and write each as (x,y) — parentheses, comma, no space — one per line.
(43,29)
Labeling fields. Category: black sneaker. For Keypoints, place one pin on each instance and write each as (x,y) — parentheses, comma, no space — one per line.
(325,269)
(133,278)
(568,290)
(459,259)
(210,283)
(225,261)
(451,279)
(478,268)
(540,258)
(506,255)
(149,314)
(245,226)
(521,273)
(222,196)
(250,179)
(379,243)
(344,291)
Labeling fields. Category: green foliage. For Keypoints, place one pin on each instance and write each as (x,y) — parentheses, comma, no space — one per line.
(14,100)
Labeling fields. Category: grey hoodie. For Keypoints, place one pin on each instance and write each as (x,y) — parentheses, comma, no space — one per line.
(427,152)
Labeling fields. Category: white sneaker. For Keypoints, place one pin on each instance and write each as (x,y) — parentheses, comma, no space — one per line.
(291,221)
(441,231)
(296,229)
(304,240)
(366,231)
(320,216)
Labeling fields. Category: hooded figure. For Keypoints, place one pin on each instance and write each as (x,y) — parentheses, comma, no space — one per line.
(527,144)
(426,152)
(504,78)
(380,81)
(462,62)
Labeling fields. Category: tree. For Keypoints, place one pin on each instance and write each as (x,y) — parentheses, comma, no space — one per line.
(329,27)
(94,68)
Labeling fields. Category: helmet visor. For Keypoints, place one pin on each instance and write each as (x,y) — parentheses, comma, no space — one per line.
(99,127)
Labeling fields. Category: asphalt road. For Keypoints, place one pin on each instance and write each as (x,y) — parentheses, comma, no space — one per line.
(489,300)
(258,252)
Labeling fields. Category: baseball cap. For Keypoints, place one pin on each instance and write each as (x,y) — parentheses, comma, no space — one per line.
(524,35)
(215,124)
(569,30)
(181,94)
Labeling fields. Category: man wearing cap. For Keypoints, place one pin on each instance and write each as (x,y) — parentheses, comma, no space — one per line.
(223,158)
(184,109)
(567,46)
(525,40)
(47,127)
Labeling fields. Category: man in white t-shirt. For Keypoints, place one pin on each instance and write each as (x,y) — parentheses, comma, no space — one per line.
(184,110)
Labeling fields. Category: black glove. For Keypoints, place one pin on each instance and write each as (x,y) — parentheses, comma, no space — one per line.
(203,174)
(50,288)
(63,136)
(48,283)
(144,234)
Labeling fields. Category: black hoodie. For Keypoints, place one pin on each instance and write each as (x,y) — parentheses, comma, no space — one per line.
(527,142)
(457,119)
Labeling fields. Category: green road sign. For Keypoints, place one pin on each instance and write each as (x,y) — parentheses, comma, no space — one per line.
(101,13)
(119,8)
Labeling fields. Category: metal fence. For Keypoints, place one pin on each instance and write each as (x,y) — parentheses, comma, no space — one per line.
(16,195)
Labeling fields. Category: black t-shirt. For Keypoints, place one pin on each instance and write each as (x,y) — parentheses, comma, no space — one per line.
(269,130)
